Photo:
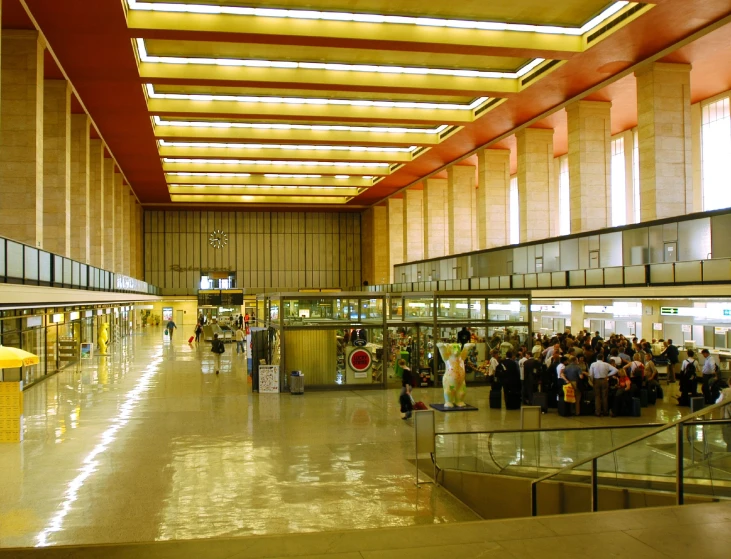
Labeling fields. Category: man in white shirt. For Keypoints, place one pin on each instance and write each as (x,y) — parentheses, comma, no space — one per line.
(521,363)
(600,371)
(709,374)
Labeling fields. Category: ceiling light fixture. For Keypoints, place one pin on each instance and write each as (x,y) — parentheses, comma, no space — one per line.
(378,18)
(265,162)
(165,143)
(319,127)
(152,94)
(335,67)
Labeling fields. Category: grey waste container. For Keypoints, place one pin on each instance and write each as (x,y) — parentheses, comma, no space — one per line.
(296,383)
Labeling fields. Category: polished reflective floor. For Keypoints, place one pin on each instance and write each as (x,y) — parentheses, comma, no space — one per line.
(149,444)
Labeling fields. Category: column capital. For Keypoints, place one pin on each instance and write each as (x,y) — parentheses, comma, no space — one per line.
(584,106)
(535,133)
(664,67)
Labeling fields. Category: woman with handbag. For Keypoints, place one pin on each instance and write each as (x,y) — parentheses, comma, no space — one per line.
(217,348)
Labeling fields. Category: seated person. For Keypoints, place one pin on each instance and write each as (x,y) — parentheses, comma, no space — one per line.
(623,395)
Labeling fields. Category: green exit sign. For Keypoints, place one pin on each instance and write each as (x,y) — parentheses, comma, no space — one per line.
(668,310)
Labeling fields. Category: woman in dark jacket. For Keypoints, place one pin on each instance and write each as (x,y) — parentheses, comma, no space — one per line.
(406,384)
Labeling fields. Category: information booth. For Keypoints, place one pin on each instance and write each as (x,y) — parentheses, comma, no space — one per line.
(357,340)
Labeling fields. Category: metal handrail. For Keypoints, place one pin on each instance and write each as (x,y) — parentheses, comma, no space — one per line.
(678,424)
(551,429)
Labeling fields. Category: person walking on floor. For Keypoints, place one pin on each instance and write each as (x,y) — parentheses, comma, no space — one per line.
(170,327)
(240,339)
(406,383)
(217,348)
(198,332)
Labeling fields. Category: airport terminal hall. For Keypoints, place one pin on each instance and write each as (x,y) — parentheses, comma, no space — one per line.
(365,279)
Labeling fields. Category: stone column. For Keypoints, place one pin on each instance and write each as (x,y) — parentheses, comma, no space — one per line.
(108,220)
(395,219)
(133,232)
(119,240)
(460,187)
(665,140)
(21,136)
(577,317)
(96,203)
(126,234)
(80,202)
(435,218)
(141,242)
(378,264)
(493,195)
(57,166)
(535,166)
(590,164)
(413,225)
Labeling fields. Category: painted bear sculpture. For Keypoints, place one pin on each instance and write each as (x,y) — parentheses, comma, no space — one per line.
(454,375)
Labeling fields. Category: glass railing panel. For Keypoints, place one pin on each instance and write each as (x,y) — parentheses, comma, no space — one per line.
(707,460)
(57,269)
(2,257)
(83,275)
(75,273)
(31,264)
(67,276)
(44,266)
(14,260)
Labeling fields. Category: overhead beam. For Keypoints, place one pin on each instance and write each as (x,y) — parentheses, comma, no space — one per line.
(285,154)
(276,167)
(269,135)
(288,111)
(302,78)
(324,180)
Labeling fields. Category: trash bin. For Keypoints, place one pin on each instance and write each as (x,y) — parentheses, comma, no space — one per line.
(297,383)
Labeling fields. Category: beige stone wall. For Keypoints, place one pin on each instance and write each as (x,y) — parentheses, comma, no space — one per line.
(119,240)
(460,190)
(665,140)
(133,234)
(80,184)
(589,130)
(21,136)
(57,167)
(413,225)
(493,179)
(96,203)
(108,220)
(381,252)
(435,218)
(368,246)
(535,171)
(126,237)
(395,218)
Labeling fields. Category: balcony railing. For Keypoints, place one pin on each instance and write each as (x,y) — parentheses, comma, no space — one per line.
(26,265)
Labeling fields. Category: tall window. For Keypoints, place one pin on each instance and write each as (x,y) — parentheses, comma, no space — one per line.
(514,212)
(564,204)
(619,185)
(636,174)
(716,154)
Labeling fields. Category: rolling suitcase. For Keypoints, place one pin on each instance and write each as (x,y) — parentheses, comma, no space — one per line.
(636,408)
(651,396)
(552,398)
(540,399)
(512,400)
(564,408)
(496,399)
(190,340)
(644,398)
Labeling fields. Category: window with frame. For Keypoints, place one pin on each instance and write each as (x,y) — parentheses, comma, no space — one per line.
(619,185)
(716,154)
(564,200)
(514,210)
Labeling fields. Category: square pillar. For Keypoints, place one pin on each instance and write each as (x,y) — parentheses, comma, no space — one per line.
(80,184)
(108,220)
(126,234)
(535,171)
(375,248)
(395,224)
(141,241)
(97,228)
(21,136)
(493,196)
(590,164)
(665,140)
(413,228)
(435,218)
(57,167)
(119,240)
(133,232)
(460,189)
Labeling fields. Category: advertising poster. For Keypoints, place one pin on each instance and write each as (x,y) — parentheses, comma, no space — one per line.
(269,379)
(87,351)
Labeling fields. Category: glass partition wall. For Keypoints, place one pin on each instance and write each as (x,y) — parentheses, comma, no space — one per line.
(364,339)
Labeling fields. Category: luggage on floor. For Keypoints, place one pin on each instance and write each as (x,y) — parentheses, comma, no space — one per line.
(636,408)
(652,395)
(564,408)
(552,398)
(190,340)
(496,399)
(420,406)
(540,399)
(512,400)
(644,397)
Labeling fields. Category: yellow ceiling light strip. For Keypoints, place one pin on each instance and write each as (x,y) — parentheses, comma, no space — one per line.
(335,67)
(316,127)
(283,163)
(264,199)
(226,145)
(258,189)
(152,94)
(378,18)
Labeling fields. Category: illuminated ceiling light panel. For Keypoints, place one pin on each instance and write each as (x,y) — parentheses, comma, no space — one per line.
(335,67)
(262,186)
(319,127)
(152,94)
(378,18)
(264,162)
(165,143)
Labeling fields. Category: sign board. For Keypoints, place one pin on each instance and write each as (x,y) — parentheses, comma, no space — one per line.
(630,325)
(685,327)
(669,311)
(232,299)
(87,351)
(657,326)
(720,329)
(209,299)
(269,379)
(587,323)
(360,362)
(609,324)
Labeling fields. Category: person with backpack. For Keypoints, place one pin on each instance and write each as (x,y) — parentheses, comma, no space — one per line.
(687,378)
(710,371)
(636,372)
(217,347)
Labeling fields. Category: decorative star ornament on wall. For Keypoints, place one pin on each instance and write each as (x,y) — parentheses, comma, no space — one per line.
(218,239)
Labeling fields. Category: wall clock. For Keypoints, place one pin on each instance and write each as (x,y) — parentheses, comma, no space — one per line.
(218,239)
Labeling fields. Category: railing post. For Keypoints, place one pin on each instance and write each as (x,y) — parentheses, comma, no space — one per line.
(534,499)
(594,486)
(679,464)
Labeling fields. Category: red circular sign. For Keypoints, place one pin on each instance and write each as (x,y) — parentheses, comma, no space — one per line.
(360,360)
